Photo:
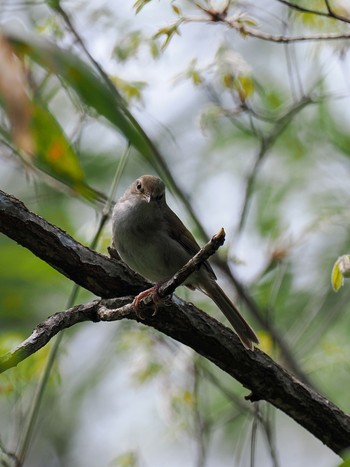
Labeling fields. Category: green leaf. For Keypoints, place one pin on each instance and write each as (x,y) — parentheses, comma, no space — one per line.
(91,89)
(139,4)
(129,46)
(168,32)
(53,152)
(176,9)
(131,90)
(98,93)
(55,4)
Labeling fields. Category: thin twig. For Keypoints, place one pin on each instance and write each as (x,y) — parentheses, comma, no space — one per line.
(200,426)
(281,39)
(193,264)
(247,31)
(266,425)
(327,14)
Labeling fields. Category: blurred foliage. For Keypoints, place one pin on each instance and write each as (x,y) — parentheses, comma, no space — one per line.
(255,133)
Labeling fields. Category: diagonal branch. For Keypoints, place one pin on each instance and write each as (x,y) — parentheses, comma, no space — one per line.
(188,325)
(101,275)
(175,318)
(193,264)
(330,13)
(95,311)
(284,39)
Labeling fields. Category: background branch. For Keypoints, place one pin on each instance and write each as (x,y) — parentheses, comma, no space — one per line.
(330,13)
(247,31)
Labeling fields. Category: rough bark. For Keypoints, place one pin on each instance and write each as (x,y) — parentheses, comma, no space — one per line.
(180,320)
(101,275)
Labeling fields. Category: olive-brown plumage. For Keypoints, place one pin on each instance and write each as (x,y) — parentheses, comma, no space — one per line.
(153,241)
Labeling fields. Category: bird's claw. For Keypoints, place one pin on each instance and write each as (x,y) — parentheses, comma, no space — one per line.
(138,304)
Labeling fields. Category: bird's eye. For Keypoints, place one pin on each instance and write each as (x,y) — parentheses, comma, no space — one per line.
(138,185)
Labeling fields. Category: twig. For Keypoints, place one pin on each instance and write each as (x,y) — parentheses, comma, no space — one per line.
(328,14)
(282,39)
(193,264)
(247,31)
(169,287)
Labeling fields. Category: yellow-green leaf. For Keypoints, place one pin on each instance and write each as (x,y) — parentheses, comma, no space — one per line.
(96,92)
(176,9)
(340,270)
(139,4)
(53,153)
(245,86)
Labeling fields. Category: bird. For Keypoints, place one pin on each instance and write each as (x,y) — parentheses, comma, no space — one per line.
(151,239)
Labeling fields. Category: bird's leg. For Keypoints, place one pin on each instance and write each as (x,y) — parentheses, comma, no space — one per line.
(154,297)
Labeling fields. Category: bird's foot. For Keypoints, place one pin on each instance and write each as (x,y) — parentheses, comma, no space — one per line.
(154,297)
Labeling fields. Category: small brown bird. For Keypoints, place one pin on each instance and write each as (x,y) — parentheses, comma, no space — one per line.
(153,241)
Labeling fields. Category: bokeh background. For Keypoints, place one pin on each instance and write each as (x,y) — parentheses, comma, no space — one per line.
(251,135)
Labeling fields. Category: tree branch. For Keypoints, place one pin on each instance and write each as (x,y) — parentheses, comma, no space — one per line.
(101,275)
(247,31)
(188,325)
(175,318)
(283,39)
(193,264)
(94,311)
(328,14)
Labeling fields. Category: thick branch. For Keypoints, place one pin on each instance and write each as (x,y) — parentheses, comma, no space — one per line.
(255,370)
(97,273)
(101,275)
(93,311)
(177,319)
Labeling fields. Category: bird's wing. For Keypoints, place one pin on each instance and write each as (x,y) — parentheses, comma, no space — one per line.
(179,232)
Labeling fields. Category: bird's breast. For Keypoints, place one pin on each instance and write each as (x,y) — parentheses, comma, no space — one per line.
(144,244)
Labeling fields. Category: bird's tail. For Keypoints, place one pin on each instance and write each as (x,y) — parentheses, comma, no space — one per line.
(239,324)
